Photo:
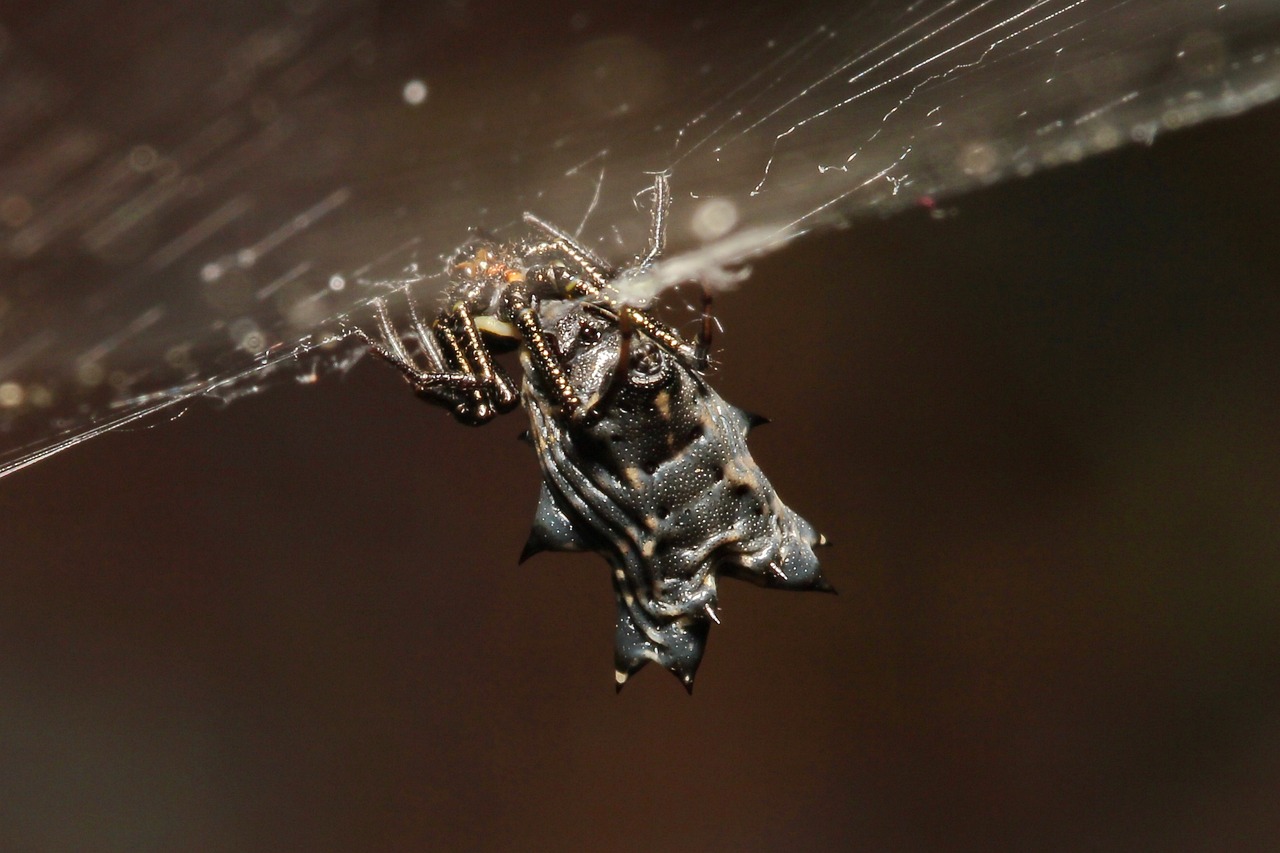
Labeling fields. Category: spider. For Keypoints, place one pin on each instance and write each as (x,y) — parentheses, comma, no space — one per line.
(643,462)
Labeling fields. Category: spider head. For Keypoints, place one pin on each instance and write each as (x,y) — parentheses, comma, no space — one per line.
(479,272)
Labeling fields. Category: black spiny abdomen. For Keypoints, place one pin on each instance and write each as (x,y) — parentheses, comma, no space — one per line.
(661,483)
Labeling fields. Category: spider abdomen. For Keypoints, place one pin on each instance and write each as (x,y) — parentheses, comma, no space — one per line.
(660,482)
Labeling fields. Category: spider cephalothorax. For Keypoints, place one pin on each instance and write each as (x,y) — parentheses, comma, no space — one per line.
(643,462)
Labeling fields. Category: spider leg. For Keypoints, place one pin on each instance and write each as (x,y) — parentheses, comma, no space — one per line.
(498,388)
(438,383)
(658,222)
(461,374)
(489,392)
(666,336)
(427,341)
(555,280)
(702,350)
(522,310)
(471,401)
(663,334)
(598,272)
(588,262)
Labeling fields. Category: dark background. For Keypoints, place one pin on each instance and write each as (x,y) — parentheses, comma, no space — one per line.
(1041,433)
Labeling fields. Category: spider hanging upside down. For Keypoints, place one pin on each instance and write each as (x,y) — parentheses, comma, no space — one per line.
(643,462)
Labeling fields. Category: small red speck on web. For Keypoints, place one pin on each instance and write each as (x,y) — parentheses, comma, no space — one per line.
(928,202)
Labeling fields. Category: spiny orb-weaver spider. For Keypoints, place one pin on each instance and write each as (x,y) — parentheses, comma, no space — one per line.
(643,462)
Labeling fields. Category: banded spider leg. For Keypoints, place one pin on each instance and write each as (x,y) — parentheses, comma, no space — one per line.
(595,277)
(460,372)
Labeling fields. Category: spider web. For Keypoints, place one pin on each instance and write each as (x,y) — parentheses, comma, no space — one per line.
(191,198)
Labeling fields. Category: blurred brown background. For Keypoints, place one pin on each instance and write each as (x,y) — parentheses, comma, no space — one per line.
(1041,433)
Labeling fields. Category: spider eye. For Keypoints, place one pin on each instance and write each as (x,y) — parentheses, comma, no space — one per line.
(588,334)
